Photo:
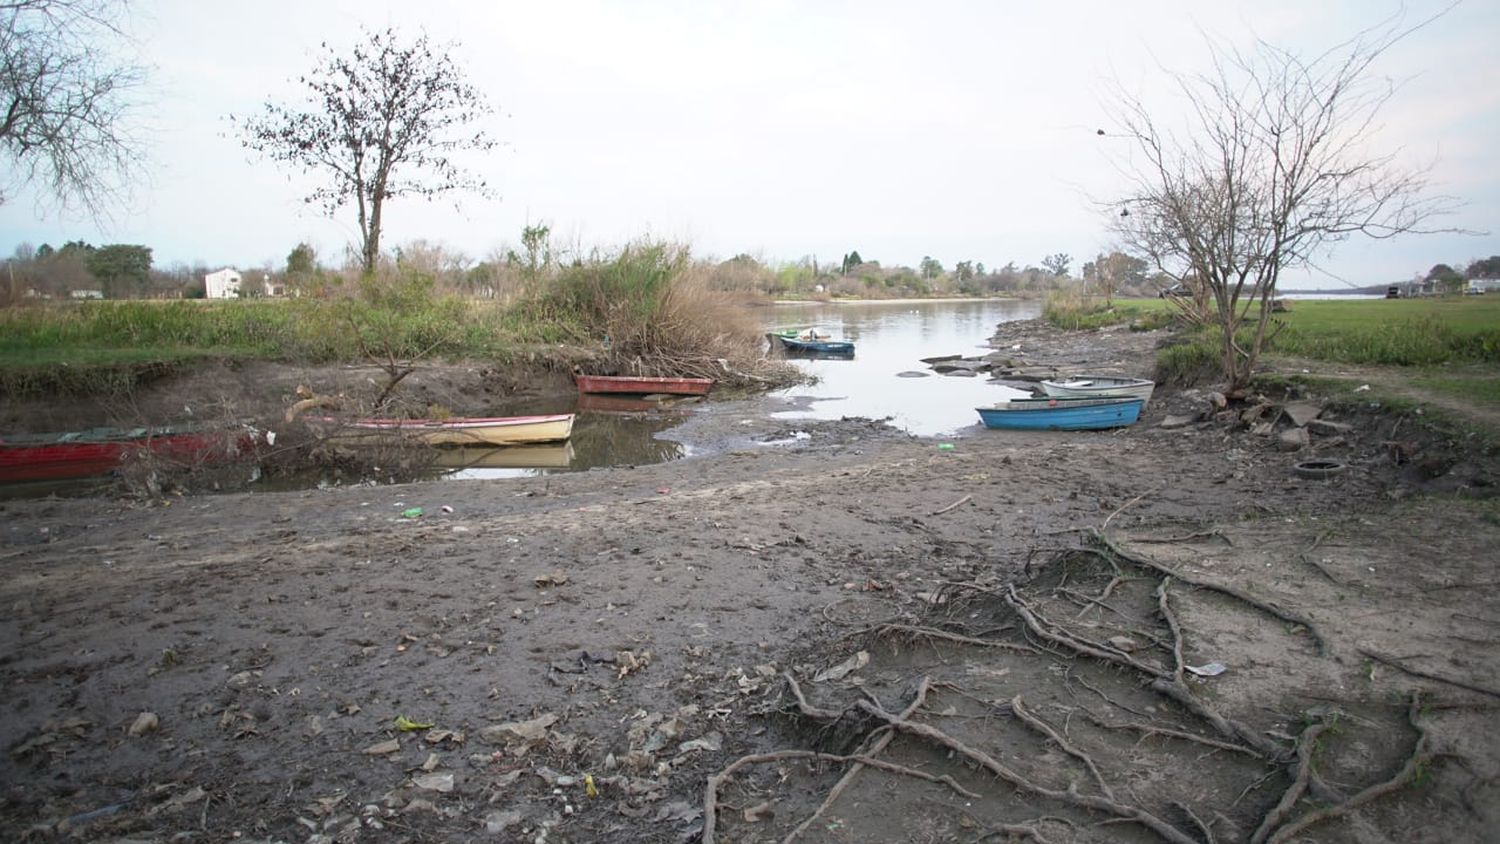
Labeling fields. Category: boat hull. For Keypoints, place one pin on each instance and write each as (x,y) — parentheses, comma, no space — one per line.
(642,385)
(46,457)
(819,347)
(1062,414)
(539,456)
(461,431)
(1100,386)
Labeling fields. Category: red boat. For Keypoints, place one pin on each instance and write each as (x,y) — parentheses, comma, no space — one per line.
(642,385)
(98,451)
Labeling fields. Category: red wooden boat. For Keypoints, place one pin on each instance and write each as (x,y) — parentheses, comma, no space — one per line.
(642,385)
(98,451)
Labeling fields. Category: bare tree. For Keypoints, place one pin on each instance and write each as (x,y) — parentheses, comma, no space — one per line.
(384,107)
(63,102)
(1275,167)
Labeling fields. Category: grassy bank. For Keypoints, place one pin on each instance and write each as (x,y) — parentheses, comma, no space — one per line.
(645,309)
(1443,346)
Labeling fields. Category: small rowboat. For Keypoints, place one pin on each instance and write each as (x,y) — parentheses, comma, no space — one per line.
(817,347)
(98,451)
(1100,386)
(642,385)
(1062,414)
(493,431)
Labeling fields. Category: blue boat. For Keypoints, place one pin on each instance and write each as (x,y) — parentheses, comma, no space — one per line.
(822,347)
(1062,414)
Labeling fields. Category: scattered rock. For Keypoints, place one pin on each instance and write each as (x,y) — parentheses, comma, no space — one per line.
(441,783)
(383,748)
(556,578)
(1328,428)
(1175,421)
(713,742)
(498,822)
(1302,412)
(1293,439)
(146,722)
(843,669)
(519,737)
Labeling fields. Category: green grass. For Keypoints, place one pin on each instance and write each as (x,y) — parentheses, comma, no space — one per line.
(1075,313)
(56,346)
(1480,389)
(1394,332)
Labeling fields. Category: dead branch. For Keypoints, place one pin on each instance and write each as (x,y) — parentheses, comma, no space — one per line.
(930,633)
(1202,534)
(1421,756)
(1308,558)
(884,737)
(1239,595)
(1118,810)
(955,505)
(1067,747)
(1396,664)
(1123,507)
(715,782)
(1307,745)
(1148,730)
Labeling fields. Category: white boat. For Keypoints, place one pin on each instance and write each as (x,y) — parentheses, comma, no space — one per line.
(1100,386)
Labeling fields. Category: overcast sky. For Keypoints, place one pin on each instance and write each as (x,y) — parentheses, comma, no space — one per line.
(964,131)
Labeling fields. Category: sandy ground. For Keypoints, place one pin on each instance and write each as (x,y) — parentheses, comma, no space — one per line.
(1010,635)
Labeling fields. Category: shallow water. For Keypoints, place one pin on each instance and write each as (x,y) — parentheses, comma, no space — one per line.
(891,338)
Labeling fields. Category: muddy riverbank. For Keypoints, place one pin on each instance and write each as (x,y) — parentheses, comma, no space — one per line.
(579,657)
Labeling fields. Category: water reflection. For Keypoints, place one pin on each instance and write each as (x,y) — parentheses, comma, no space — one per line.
(892,338)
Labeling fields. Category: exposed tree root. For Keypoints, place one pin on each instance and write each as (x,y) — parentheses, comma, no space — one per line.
(1149,730)
(1115,809)
(1421,756)
(1264,606)
(1307,745)
(1035,623)
(931,633)
(1046,729)
(878,742)
(1396,664)
(715,782)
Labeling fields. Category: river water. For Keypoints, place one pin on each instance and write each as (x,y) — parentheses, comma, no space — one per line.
(891,338)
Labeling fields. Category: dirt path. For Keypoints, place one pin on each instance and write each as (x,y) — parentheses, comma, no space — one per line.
(590,649)
(1395,382)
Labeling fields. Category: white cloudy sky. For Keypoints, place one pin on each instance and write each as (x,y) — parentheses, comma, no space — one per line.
(960,130)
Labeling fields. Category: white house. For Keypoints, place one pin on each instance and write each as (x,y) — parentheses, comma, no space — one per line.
(224,284)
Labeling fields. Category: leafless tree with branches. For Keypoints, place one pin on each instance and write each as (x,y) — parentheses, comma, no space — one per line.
(383,120)
(1273,167)
(64,102)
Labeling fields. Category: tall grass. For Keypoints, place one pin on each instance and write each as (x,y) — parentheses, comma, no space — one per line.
(1425,340)
(650,311)
(1074,312)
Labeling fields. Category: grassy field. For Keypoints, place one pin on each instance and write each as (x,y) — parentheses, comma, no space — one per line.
(1446,346)
(646,307)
